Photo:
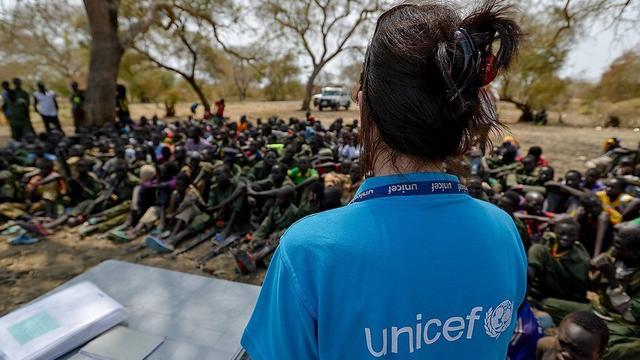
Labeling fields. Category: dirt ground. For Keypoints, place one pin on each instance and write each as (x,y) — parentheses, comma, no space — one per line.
(28,271)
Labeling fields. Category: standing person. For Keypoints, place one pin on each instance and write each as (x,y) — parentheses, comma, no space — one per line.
(5,93)
(220,110)
(412,267)
(22,94)
(4,96)
(47,106)
(122,107)
(15,109)
(77,105)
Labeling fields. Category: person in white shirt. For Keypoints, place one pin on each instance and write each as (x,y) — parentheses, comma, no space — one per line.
(350,149)
(47,106)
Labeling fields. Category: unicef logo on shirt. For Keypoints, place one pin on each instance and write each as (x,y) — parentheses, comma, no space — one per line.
(406,337)
(497,320)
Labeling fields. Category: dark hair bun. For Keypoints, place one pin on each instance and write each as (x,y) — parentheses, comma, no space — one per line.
(464,59)
(423,76)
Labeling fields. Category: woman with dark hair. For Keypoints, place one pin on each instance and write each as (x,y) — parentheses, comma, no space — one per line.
(414,266)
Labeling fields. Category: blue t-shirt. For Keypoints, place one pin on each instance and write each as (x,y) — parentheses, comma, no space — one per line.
(416,277)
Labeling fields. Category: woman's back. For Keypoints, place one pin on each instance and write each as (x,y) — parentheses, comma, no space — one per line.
(413,267)
(437,276)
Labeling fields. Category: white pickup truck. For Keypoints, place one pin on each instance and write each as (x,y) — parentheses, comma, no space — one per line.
(332,97)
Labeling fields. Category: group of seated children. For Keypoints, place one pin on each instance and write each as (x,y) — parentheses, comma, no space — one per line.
(582,236)
(242,185)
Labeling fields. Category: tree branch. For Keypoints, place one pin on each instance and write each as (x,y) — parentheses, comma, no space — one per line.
(216,34)
(301,32)
(346,13)
(518,104)
(568,19)
(144,24)
(194,54)
(364,14)
(159,63)
(618,18)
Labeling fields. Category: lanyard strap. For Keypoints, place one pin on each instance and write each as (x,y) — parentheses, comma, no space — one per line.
(411,188)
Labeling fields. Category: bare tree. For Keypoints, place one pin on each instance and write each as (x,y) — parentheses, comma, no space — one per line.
(221,16)
(49,35)
(617,13)
(187,20)
(181,52)
(323,29)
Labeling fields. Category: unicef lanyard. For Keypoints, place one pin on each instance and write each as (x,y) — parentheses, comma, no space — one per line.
(411,188)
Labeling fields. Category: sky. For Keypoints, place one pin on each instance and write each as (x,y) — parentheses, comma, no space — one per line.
(593,54)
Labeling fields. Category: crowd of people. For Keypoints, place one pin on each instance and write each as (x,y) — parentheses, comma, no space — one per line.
(240,185)
(582,235)
(173,182)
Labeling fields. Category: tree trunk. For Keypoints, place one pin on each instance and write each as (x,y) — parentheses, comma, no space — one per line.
(242,92)
(170,108)
(203,99)
(308,91)
(106,53)
(527,114)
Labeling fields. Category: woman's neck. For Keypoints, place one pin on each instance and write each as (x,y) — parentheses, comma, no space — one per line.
(402,165)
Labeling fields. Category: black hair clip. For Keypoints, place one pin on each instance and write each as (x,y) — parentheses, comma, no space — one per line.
(472,60)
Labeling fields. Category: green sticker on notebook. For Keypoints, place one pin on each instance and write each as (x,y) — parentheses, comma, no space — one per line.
(33,327)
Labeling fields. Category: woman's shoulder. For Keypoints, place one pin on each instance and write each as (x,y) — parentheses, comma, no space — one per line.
(490,209)
(316,224)
(317,231)
(493,220)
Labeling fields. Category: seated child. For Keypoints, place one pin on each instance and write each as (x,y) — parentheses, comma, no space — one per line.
(475,188)
(534,218)
(184,207)
(303,175)
(596,232)
(618,301)
(266,238)
(45,190)
(581,335)
(510,203)
(262,192)
(564,197)
(355,180)
(559,268)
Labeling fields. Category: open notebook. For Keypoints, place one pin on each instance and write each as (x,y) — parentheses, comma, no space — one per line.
(57,324)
